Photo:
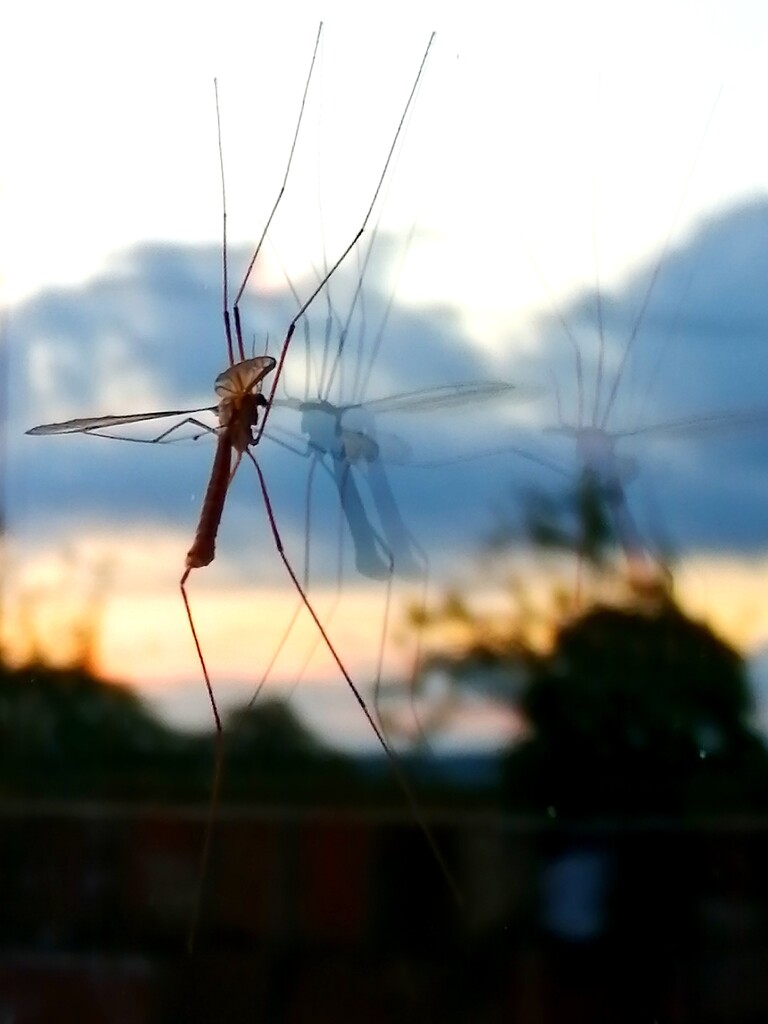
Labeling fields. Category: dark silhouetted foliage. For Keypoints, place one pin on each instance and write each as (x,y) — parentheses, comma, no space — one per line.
(639,710)
(270,753)
(66,734)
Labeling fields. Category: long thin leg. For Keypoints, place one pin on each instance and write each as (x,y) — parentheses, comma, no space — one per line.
(331,611)
(213,804)
(416,659)
(333,607)
(205,428)
(358,235)
(397,770)
(219,741)
(300,605)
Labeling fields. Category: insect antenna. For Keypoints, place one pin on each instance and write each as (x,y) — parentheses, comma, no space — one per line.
(270,218)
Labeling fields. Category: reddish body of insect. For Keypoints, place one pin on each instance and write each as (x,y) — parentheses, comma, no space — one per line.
(240,398)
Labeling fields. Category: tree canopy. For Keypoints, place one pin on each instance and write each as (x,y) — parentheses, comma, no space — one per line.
(639,709)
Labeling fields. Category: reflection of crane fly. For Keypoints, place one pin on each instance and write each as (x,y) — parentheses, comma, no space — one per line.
(360,452)
(601,377)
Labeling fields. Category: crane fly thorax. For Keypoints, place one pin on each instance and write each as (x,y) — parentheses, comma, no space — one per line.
(238,417)
(240,398)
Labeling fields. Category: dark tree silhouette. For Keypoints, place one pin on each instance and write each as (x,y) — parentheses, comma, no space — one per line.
(271,754)
(67,734)
(639,709)
(270,729)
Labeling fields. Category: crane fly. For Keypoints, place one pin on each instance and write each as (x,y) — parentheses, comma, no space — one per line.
(242,411)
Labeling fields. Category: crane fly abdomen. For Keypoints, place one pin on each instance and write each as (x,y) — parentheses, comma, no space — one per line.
(204,545)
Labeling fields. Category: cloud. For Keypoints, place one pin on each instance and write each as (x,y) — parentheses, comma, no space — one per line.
(148,335)
(683,336)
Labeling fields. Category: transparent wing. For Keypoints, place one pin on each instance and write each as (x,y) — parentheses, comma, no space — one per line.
(444,396)
(716,422)
(88,424)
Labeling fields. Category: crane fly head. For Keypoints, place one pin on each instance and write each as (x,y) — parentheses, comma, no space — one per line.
(239,392)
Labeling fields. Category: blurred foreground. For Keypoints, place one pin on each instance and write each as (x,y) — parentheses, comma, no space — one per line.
(612,864)
(328,916)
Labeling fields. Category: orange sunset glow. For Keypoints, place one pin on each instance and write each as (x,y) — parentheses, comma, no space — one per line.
(141,635)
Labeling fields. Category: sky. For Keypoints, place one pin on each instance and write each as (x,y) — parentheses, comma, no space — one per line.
(553,155)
